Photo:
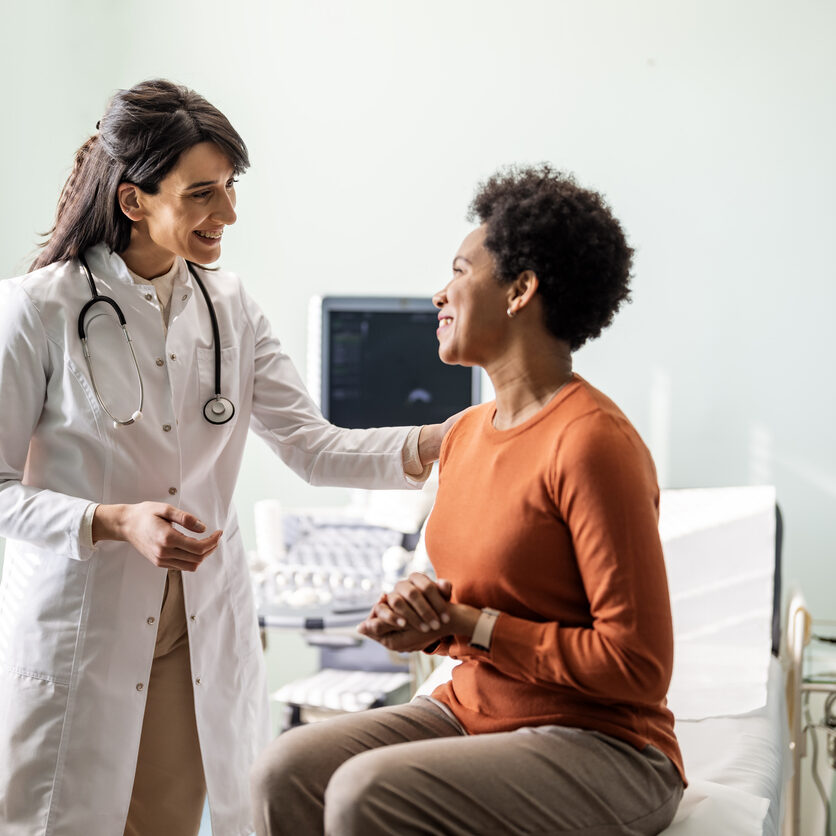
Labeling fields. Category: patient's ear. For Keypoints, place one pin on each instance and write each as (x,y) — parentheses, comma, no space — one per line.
(522,290)
(129,201)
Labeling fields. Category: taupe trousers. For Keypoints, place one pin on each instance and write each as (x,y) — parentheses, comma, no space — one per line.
(169,788)
(411,769)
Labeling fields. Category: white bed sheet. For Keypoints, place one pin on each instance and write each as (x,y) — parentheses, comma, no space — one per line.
(737,769)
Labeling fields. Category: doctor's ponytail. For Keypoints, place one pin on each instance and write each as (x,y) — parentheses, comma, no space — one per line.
(70,186)
(81,217)
(140,139)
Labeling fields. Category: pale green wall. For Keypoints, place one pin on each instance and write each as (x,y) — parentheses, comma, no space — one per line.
(710,125)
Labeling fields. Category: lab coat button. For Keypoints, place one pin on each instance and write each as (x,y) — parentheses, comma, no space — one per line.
(139,686)
(150,619)
(185,296)
(166,428)
(172,491)
(172,356)
(192,618)
(159,361)
(197,680)
(148,296)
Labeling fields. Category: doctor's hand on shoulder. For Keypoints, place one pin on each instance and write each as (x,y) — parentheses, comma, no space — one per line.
(149,528)
(431,436)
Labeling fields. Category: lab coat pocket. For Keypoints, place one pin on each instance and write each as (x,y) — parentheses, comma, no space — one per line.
(41,609)
(32,715)
(241,595)
(230,381)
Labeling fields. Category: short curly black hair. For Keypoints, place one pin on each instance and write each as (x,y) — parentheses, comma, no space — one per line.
(540,219)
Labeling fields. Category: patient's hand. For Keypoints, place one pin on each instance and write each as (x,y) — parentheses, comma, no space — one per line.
(400,640)
(418,603)
(411,616)
(402,630)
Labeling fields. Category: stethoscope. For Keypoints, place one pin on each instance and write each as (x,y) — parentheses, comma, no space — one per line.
(217,410)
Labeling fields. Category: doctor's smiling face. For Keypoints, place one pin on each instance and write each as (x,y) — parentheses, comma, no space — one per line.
(185,217)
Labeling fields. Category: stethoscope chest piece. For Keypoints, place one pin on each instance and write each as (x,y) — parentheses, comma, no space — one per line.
(218,410)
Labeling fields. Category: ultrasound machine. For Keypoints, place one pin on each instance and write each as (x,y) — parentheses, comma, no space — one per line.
(372,361)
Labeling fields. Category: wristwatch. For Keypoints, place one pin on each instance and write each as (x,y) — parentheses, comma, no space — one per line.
(483,630)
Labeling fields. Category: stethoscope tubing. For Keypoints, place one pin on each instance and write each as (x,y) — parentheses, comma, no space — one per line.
(97,298)
(217,410)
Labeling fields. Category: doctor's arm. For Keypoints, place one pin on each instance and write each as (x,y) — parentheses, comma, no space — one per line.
(286,417)
(50,519)
(44,518)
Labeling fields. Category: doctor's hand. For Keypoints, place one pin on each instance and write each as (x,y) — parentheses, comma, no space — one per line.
(431,436)
(149,528)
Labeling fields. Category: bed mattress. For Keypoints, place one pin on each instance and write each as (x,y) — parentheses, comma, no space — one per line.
(737,769)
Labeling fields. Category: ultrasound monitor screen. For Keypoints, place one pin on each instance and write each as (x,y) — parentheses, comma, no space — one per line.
(381,366)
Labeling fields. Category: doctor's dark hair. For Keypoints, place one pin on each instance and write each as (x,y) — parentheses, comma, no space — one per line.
(541,220)
(140,139)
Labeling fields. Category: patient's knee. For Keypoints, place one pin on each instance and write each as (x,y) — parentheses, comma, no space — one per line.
(286,758)
(362,796)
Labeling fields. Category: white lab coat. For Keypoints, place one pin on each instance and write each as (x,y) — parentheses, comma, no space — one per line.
(78,626)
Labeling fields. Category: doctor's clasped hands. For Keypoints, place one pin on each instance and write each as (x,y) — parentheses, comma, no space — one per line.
(149,528)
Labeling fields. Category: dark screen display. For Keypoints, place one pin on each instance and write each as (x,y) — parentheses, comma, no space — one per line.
(383,370)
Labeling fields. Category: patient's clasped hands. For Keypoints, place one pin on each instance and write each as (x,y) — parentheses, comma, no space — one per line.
(416,613)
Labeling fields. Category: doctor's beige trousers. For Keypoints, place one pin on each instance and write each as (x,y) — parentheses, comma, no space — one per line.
(411,769)
(169,788)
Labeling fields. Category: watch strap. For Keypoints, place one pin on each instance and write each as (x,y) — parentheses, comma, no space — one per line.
(483,631)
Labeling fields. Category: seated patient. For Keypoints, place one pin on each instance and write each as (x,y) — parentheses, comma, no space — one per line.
(554,595)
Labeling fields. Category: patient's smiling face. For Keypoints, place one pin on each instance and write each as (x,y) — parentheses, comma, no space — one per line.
(472,307)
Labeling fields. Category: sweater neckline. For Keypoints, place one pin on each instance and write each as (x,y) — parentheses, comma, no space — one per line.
(498,436)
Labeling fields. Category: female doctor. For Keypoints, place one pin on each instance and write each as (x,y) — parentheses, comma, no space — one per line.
(131,674)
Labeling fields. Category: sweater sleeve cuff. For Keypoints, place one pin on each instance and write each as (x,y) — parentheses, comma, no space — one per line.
(517,645)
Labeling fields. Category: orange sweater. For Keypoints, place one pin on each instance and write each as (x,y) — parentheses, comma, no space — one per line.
(555,524)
